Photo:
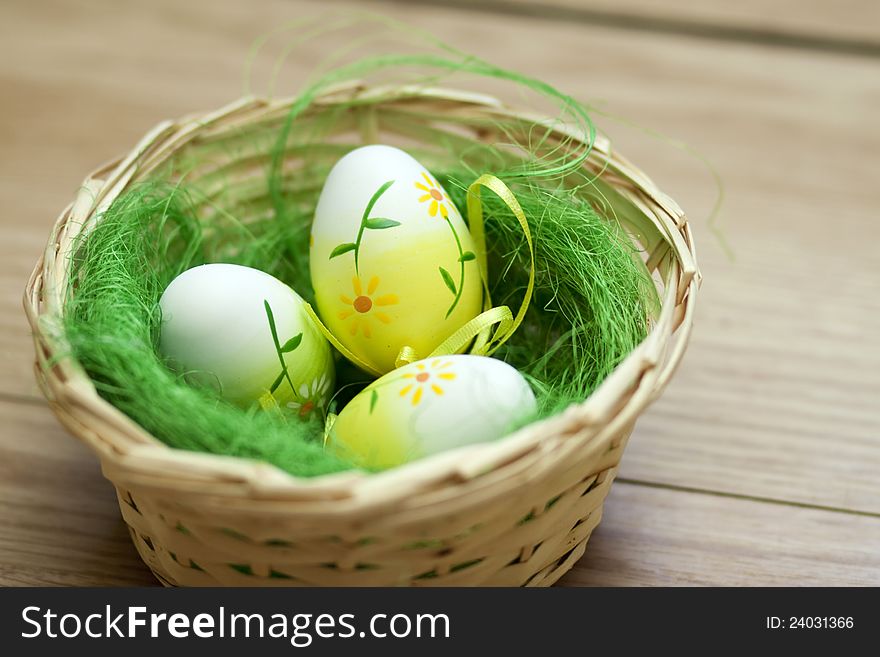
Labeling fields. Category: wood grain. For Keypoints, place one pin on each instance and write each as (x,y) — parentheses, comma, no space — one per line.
(724,542)
(61,526)
(777,395)
(807,23)
(60,520)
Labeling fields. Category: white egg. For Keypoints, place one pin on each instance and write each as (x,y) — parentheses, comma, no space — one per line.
(398,273)
(430,406)
(217,330)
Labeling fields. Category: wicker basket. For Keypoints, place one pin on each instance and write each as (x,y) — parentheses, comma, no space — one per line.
(514,512)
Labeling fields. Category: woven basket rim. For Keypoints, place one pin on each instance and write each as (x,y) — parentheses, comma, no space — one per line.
(131,456)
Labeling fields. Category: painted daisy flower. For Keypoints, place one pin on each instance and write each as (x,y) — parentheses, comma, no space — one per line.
(427,378)
(311,396)
(434,196)
(364,305)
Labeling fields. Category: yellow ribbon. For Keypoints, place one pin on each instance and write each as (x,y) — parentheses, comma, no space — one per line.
(486,345)
(345,351)
(479,329)
(329,421)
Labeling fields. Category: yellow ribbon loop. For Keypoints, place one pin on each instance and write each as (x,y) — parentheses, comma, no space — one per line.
(268,402)
(405,356)
(328,426)
(487,345)
(478,330)
(456,342)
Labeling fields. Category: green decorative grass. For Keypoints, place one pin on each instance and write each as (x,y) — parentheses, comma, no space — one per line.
(593,296)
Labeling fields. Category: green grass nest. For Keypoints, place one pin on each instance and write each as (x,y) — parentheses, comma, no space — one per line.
(592,304)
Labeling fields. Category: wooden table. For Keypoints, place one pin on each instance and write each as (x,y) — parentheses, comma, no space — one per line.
(760,465)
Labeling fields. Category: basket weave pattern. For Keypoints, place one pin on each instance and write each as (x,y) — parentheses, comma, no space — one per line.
(515,512)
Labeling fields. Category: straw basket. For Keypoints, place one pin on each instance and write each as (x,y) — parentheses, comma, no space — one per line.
(513,512)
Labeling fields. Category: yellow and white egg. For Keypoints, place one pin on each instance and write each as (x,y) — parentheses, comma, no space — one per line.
(392,261)
(248,335)
(430,406)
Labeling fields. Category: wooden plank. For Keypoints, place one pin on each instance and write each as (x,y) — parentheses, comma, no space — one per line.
(809,22)
(60,520)
(61,526)
(777,396)
(656,537)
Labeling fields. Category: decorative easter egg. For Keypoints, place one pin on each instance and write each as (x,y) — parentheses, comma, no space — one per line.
(392,261)
(247,334)
(430,406)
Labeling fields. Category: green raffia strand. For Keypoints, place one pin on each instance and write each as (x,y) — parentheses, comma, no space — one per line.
(591,299)
(147,237)
(592,303)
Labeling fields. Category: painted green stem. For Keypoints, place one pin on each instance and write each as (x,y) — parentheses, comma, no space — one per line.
(461,262)
(284,373)
(364,218)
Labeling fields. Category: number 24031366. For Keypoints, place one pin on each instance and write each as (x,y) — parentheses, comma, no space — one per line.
(810,622)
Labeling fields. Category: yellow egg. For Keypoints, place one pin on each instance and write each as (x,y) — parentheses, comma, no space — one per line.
(392,261)
(430,406)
